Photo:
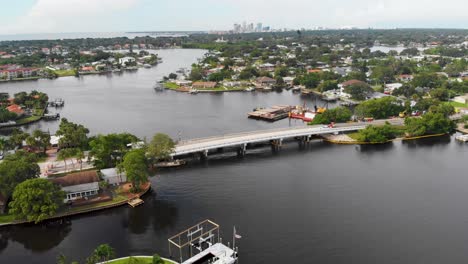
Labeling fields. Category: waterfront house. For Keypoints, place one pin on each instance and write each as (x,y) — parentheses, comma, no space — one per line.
(405,77)
(113,177)
(288,80)
(264,81)
(204,85)
(126,60)
(78,185)
(266,67)
(14,108)
(183,82)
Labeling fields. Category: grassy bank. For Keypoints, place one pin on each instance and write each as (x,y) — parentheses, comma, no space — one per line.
(171,85)
(64,73)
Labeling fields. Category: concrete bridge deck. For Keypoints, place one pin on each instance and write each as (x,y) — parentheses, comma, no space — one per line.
(203,145)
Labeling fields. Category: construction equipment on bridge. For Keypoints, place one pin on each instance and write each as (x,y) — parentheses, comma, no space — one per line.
(203,238)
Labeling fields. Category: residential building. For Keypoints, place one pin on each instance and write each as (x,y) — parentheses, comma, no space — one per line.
(113,177)
(265,81)
(14,108)
(405,77)
(78,185)
(203,85)
(126,60)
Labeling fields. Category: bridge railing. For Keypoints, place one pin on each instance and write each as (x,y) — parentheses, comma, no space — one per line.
(263,138)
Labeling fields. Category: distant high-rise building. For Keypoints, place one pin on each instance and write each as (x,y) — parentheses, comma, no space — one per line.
(259,27)
(250,28)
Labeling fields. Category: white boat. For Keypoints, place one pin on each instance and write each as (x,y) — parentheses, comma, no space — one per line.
(193,91)
(463,138)
(250,89)
(147,66)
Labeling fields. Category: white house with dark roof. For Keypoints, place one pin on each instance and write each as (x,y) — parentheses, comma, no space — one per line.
(78,185)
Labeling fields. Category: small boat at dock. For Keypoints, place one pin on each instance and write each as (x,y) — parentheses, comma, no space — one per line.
(462,138)
(170,164)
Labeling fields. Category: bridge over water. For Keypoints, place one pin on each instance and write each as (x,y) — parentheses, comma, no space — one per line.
(275,136)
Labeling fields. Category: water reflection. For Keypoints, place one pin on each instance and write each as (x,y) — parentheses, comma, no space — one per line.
(46,236)
(427,142)
(374,148)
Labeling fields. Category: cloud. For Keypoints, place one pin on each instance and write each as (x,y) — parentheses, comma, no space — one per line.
(67,16)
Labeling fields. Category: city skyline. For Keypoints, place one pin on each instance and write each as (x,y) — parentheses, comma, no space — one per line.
(57,16)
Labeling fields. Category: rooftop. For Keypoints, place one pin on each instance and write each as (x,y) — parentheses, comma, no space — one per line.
(77,178)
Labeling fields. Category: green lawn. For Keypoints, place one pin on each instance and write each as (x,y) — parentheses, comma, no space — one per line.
(456,104)
(171,85)
(7,218)
(28,119)
(63,73)
(139,260)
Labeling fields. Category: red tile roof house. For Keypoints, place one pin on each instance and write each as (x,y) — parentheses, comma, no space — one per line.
(14,108)
(78,185)
(204,85)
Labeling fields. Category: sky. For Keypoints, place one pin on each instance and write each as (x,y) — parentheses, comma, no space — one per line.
(62,16)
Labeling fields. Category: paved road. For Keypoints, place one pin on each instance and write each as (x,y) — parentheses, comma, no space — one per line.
(239,139)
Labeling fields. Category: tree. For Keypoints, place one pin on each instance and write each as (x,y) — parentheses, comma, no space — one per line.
(338,114)
(134,164)
(17,137)
(36,200)
(379,108)
(108,150)
(281,71)
(377,134)
(160,147)
(16,169)
(429,123)
(157,259)
(172,76)
(440,94)
(6,115)
(383,74)
(195,74)
(327,85)
(310,80)
(39,139)
(358,91)
(65,154)
(72,135)
(102,253)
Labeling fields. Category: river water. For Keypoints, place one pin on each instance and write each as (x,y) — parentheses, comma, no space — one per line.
(403,202)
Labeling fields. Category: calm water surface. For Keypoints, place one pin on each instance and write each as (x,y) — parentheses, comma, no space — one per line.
(405,202)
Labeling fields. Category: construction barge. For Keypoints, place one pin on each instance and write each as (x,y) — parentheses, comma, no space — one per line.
(274,113)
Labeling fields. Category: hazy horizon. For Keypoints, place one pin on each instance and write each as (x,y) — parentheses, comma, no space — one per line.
(73,16)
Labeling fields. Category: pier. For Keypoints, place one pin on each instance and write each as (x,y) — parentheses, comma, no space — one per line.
(275,137)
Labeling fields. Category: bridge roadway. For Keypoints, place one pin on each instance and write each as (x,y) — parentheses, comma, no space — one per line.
(204,145)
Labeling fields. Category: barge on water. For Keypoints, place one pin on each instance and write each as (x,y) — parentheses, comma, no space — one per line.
(272,114)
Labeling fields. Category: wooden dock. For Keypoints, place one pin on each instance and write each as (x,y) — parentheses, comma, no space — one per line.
(135,202)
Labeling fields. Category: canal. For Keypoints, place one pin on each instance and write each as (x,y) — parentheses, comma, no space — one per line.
(403,202)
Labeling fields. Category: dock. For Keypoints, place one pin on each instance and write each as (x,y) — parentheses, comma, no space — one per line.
(272,114)
(135,202)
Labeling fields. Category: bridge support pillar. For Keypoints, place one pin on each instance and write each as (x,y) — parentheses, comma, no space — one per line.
(204,155)
(276,144)
(242,150)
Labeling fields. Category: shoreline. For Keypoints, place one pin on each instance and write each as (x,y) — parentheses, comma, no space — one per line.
(353,142)
(84,211)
